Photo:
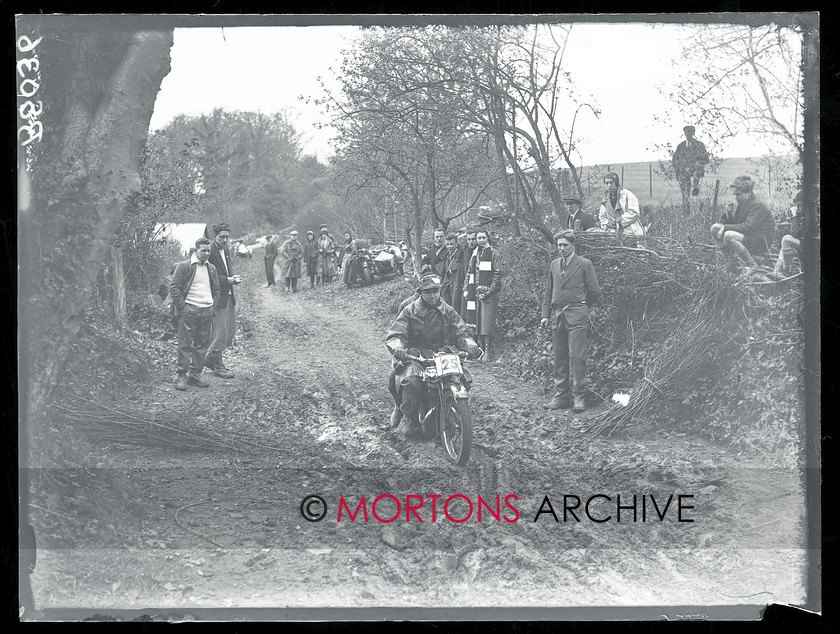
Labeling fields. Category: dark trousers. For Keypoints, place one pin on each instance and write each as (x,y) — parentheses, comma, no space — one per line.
(193,338)
(291,284)
(312,269)
(269,271)
(570,349)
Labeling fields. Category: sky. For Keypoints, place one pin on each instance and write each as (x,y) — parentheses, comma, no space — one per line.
(623,69)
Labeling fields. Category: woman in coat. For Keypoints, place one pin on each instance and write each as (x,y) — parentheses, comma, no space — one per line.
(291,254)
(484,283)
(620,208)
(326,256)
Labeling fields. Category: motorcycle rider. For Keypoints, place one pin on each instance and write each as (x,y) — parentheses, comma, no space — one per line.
(423,327)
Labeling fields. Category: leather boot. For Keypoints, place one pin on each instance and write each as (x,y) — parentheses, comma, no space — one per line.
(212,360)
(396,417)
(221,369)
(558,402)
(181,382)
(197,381)
(579,405)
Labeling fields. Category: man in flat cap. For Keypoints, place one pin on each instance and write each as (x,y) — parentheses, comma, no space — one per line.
(746,228)
(574,205)
(689,162)
(224,322)
(291,254)
(571,287)
(424,326)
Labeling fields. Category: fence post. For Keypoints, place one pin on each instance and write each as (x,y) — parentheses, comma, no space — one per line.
(650,178)
(622,176)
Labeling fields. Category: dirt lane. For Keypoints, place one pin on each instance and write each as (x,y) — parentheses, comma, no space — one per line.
(226,530)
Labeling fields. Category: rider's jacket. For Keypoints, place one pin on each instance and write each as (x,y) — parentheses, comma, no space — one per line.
(427,327)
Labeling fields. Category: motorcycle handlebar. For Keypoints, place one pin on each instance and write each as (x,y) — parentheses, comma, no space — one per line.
(460,353)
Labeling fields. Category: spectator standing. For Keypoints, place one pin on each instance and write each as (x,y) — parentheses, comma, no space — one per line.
(746,228)
(620,208)
(194,289)
(291,254)
(577,219)
(690,159)
(224,322)
(326,256)
(436,257)
(452,290)
(571,287)
(469,251)
(270,256)
(484,284)
(310,256)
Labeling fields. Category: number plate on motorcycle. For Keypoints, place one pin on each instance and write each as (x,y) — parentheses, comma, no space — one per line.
(448,364)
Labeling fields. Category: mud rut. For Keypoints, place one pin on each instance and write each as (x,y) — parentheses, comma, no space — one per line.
(225,530)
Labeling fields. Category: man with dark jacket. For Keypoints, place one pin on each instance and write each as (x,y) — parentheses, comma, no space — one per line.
(224,323)
(270,256)
(746,229)
(436,257)
(577,215)
(423,327)
(194,289)
(453,274)
(571,287)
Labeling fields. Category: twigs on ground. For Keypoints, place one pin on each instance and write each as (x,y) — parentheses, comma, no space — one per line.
(171,427)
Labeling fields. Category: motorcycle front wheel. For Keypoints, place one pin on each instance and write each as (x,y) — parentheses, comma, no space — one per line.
(456,429)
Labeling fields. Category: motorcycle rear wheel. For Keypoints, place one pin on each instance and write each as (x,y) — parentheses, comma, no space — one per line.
(456,429)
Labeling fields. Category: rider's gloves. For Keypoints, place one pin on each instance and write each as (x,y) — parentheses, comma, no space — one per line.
(400,354)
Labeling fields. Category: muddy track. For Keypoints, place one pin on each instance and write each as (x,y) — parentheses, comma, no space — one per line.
(226,529)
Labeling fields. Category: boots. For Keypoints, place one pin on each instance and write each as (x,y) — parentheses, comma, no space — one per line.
(558,402)
(396,417)
(181,382)
(579,405)
(221,369)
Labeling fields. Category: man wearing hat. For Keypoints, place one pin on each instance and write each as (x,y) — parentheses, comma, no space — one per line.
(689,161)
(747,227)
(270,256)
(571,287)
(310,256)
(424,326)
(574,205)
(291,254)
(224,322)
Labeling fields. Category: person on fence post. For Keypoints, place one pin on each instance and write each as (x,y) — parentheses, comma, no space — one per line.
(792,242)
(570,288)
(422,327)
(453,276)
(291,254)
(578,219)
(224,323)
(484,284)
(747,229)
(689,162)
(270,256)
(620,208)
(194,289)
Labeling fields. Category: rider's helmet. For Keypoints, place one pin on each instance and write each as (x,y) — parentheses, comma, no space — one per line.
(429,282)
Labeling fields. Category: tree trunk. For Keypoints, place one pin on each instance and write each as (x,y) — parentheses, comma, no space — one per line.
(80,194)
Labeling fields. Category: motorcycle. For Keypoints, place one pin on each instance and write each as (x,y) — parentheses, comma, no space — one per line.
(385,261)
(357,266)
(446,402)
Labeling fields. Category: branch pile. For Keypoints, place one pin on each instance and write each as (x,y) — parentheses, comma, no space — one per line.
(681,361)
(171,427)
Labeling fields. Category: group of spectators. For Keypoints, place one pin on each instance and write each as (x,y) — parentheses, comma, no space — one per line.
(318,259)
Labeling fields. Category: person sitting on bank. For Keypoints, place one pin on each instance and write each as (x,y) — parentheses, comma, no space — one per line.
(620,208)
(791,242)
(747,229)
